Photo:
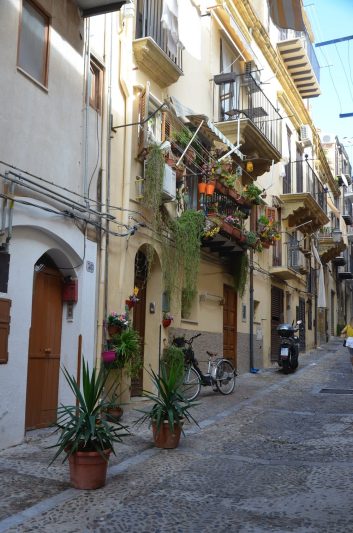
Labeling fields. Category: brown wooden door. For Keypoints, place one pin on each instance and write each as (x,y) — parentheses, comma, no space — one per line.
(230,324)
(277,296)
(44,349)
(139,324)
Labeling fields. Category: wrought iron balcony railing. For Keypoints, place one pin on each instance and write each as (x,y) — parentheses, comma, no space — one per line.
(148,24)
(241,97)
(301,178)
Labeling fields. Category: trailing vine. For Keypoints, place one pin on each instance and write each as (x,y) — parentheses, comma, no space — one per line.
(181,262)
(153,186)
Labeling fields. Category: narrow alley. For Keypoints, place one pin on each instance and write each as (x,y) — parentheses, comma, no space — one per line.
(275,455)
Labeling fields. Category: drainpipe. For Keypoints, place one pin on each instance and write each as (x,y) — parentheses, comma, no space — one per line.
(126,83)
(105,189)
(251,311)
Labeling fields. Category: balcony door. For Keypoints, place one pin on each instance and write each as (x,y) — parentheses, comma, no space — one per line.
(287,181)
(228,92)
(299,170)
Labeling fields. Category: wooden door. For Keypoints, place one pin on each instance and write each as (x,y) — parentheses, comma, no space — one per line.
(44,349)
(277,296)
(230,324)
(300,315)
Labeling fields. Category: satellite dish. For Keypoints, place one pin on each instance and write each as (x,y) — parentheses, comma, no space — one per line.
(344,179)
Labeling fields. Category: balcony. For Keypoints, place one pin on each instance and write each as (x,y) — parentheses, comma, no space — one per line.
(259,133)
(304,198)
(152,47)
(291,264)
(329,249)
(348,213)
(89,8)
(300,59)
(229,240)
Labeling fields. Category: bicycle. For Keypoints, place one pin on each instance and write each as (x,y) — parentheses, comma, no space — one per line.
(220,372)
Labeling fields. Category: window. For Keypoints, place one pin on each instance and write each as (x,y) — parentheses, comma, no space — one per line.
(95,85)
(33,42)
(4,329)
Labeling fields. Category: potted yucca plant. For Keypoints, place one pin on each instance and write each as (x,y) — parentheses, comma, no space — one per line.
(86,438)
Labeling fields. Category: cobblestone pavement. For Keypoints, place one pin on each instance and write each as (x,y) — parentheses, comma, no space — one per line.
(277,455)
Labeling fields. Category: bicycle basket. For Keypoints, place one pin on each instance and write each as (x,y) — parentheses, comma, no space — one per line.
(179,342)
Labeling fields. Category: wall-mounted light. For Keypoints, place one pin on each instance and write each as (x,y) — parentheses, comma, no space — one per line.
(249,166)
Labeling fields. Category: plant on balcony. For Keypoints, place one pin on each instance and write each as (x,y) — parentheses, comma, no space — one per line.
(251,238)
(211,229)
(127,347)
(253,193)
(234,221)
(270,232)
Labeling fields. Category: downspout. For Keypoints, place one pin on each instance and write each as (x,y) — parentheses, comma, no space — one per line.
(105,191)
(126,83)
(251,310)
(87,73)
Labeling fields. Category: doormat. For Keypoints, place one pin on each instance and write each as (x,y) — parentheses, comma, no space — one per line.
(336,391)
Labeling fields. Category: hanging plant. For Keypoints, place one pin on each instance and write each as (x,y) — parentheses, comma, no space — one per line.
(240,272)
(153,186)
(181,262)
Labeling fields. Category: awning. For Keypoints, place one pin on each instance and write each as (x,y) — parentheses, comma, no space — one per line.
(332,207)
(208,129)
(287,14)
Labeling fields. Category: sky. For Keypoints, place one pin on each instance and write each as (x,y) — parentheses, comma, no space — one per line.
(332,19)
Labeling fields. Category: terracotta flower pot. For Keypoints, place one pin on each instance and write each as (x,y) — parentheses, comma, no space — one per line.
(129,303)
(166,322)
(202,188)
(108,356)
(164,438)
(88,470)
(265,244)
(114,413)
(113,330)
(210,187)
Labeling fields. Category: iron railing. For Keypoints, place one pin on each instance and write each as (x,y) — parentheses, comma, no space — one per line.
(243,98)
(286,35)
(300,177)
(148,24)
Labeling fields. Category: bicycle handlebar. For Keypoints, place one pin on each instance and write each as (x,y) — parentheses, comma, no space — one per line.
(190,341)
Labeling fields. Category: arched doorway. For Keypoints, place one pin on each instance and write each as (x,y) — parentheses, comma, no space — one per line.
(44,345)
(139,319)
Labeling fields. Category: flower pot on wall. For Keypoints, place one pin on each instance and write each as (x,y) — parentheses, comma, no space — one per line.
(129,303)
(166,322)
(113,330)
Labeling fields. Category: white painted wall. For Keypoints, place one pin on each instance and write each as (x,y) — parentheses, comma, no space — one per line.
(32,237)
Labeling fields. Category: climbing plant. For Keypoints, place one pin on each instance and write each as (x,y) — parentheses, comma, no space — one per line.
(153,186)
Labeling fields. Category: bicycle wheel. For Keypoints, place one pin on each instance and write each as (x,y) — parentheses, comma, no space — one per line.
(191,386)
(225,377)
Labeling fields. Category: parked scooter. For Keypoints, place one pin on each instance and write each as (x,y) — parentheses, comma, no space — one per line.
(289,348)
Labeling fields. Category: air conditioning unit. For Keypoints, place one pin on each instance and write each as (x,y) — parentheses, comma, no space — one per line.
(169,184)
(251,68)
(306,135)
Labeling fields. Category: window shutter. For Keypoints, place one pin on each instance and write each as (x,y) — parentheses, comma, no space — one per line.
(270,213)
(4,329)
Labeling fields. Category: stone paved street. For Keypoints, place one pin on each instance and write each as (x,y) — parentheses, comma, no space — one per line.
(277,455)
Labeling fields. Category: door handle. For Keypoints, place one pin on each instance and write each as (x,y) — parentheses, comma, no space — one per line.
(47,351)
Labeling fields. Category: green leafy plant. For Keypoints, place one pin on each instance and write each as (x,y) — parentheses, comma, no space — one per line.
(181,261)
(173,359)
(81,426)
(251,238)
(127,346)
(168,401)
(182,137)
(252,192)
(153,185)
